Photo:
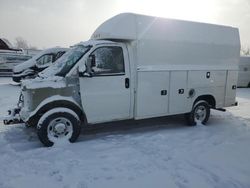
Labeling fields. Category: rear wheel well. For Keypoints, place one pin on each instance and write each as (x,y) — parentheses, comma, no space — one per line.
(208,98)
(33,120)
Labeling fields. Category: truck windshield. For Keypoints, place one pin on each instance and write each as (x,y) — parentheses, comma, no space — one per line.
(64,64)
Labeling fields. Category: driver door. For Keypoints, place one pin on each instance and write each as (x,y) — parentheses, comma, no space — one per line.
(106,95)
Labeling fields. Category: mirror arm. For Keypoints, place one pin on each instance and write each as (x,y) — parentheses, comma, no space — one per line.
(85,74)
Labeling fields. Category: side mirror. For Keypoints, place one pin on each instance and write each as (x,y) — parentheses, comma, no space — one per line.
(90,63)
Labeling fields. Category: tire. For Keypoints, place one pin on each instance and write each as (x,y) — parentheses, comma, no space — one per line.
(58,124)
(200,113)
(248,84)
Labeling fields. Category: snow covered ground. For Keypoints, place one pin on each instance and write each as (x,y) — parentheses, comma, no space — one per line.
(150,154)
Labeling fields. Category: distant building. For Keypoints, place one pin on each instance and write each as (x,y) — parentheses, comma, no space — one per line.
(10,57)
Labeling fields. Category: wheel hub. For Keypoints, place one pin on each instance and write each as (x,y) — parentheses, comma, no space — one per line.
(200,113)
(60,128)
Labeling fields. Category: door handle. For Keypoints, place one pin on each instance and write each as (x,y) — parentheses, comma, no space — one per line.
(164,92)
(126,82)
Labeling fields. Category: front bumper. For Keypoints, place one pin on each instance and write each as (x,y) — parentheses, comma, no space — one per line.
(13,117)
(16,115)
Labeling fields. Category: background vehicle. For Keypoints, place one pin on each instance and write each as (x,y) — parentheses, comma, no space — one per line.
(9,57)
(244,72)
(30,68)
(134,67)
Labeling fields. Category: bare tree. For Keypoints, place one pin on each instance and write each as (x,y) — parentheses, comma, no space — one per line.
(33,48)
(21,43)
(245,51)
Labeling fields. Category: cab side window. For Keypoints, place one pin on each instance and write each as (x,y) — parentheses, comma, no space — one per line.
(109,61)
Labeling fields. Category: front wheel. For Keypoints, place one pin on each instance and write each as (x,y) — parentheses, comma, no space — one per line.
(58,125)
(199,114)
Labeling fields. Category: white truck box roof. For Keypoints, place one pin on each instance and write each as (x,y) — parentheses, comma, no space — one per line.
(161,41)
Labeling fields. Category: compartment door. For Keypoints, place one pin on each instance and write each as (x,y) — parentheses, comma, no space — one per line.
(232,77)
(178,92)
(152,94)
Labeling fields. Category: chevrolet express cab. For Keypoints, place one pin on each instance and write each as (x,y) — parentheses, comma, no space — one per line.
(133,67)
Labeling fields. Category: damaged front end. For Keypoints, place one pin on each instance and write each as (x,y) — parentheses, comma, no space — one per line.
(37,93)
(13,116)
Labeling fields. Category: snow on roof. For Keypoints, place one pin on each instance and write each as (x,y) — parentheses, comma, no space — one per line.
(7,42)
(93,42)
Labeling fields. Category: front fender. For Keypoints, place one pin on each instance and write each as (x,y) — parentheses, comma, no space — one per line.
(54,102)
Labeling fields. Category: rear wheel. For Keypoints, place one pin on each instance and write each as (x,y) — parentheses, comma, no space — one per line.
(58,125)
(199,114)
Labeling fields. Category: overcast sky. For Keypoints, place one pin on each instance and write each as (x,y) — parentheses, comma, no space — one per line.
(49,23)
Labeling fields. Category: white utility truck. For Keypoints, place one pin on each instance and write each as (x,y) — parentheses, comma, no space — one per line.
(133,67)
(244,72)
